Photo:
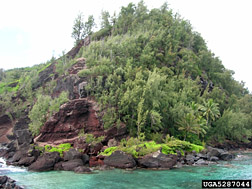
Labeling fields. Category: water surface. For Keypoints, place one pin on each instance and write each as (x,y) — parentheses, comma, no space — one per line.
(186,177)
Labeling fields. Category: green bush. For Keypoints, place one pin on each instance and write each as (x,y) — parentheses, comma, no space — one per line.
(137,149)
(60,148)
(109,151)
(41,108)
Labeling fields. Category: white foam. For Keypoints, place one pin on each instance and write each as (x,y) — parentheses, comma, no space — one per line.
(4,167)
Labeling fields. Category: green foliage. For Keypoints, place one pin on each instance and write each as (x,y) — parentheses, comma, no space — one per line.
(81,29)
(233,126)
(57,102)
(38,114)
(141,148)
(109,151)
(41,110)
(60,148)
(90,139)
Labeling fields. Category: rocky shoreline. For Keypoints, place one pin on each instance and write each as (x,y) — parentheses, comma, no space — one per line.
(74,160)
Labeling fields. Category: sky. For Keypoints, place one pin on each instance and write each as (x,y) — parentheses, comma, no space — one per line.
(31,32)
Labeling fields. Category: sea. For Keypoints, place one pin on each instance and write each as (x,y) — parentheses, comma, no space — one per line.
(185,177)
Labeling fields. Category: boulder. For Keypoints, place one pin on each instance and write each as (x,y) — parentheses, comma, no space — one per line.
(85,158)
(12,146)
(8,183)
(26,161)
(226,156)
(3,179)
(201,162)
(72,154)
(201,156)
(45,162)
(121,160)
(82,169)
(190,159)
(17,156)
(95,161)
(158,160)
(58,166)
(214,152)
(214,158)
(72,164)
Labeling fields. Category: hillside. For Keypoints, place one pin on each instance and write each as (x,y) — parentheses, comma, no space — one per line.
(144,74)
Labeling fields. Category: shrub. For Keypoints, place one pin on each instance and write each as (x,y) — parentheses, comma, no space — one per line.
(60,148)
(109,151)
(44,105)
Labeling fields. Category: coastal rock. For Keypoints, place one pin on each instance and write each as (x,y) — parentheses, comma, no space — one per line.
(72,164)
(75,154)
(214,158)
(58,166)
(8,183)
(214,152)
(26,161)
(158,160)
(72,154)
(45,162)
(65,125)
(82,169)
(5,128)
(17,156)
(226,156)
(96,161)
(85,158)
(190,159)
(201,156)
(121,160)
(21,132)
(3,179)
(201,162)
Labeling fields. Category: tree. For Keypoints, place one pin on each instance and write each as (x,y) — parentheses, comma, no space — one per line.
(105,19)
(78,28)
(2,74)
(81,29)
(88,26)
(188,124)
(210,111)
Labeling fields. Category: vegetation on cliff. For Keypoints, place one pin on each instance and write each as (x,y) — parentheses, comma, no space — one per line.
(148,69)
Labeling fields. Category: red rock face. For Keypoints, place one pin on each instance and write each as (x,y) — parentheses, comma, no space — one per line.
(5,128)
(72,117)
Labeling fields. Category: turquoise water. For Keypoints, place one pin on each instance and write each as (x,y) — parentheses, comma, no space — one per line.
(186,177)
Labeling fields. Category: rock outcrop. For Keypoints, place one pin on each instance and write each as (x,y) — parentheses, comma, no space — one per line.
(158,160)
(5,128)
(21,132)
(8,183)
(72,117)
(45,162)
(72,164)
(121,160)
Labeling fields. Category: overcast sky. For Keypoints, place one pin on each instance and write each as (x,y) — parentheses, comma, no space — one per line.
(31,32)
